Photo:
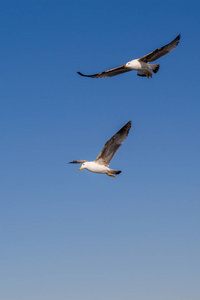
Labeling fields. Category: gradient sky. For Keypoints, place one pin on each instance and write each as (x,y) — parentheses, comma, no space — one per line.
(69,234)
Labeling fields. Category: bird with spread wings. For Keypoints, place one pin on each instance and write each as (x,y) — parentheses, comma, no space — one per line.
(141,65)
(101,163)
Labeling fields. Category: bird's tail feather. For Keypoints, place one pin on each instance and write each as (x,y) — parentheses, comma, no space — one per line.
(155,68)
(116,172)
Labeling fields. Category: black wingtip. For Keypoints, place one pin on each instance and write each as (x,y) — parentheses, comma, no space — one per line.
(178,38)
(126,127)
(129,123)
(81,74)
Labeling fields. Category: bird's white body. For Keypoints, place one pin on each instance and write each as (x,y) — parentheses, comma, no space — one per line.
(92,166)
(143,68)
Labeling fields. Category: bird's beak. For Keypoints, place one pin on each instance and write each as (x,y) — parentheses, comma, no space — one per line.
(80,168)
(125,66)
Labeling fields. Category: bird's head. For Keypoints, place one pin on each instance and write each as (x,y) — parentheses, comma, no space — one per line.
(83,166)
(133,64)
(128,65)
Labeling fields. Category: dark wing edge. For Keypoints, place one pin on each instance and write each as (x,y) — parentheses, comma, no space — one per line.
(108,73)
(108,149)
(154,55)
(77,161)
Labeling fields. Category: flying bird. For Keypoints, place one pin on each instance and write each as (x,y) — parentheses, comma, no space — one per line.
(141,65)
(101,163)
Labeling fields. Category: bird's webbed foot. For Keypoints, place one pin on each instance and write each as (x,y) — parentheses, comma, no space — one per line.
(148,74)
(110,175)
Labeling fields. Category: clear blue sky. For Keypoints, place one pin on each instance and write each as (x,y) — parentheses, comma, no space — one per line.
(76,235)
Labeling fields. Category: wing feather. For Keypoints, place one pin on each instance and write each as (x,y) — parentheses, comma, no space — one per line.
(112,145)
(154,55)
(108,73)
(77,161)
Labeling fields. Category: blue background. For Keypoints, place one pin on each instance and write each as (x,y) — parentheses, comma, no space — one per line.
(76,235)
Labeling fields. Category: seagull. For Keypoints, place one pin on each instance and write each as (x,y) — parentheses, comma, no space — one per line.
(141,65)
(101,163)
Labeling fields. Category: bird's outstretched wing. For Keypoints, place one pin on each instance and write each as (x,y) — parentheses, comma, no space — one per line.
(109,73)
(111,147)
(154,55)
(77,161)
